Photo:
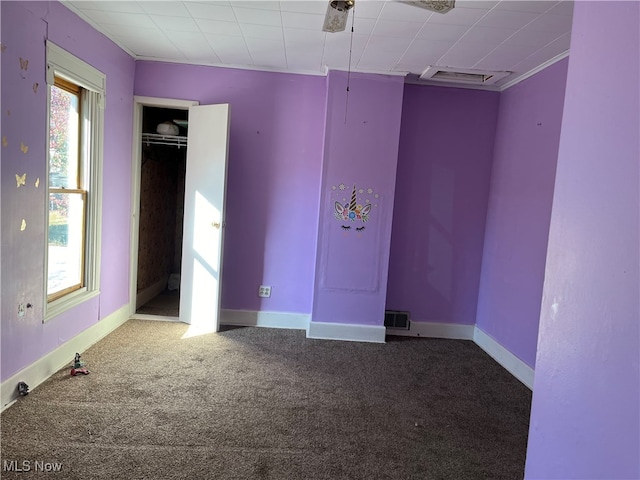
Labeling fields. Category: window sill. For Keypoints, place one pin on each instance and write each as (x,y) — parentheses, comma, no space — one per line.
(61,305)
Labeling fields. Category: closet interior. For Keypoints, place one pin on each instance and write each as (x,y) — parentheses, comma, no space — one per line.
(162,181)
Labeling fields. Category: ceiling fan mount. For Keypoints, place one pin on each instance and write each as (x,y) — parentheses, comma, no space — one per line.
(338,11)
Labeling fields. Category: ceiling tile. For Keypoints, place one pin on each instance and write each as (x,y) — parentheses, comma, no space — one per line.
(546,53)
(134,20)
(211,11)
(301,61)
(304,37)
(532,6)
(219,28)
(482,4)
(307,59)
(125,7)
(220,3)
(181,24)
(313,7)
(151,47)
(425,52)
(336,49)
(565,7)
(383,45)
(363,26)
(487,36)
(551,23)
(459,16)
(529,37)
(236,60)
(368,9)
(342,41)
(302,20)
(188,42)
(265,32)
(258,4)
(464,54)
(522,67)
(267,53)
(503,57)
(125,31)
(172,9)
(405,13)
(258,46)
(377,62)
(559,45)
(298,50)
(258,17)
(416,69)
(506,19)
(206,56)
(227,45)
(235,56)
(394,28)
(442,33)
(229,50)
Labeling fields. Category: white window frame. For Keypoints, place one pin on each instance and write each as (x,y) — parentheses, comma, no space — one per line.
(61,63)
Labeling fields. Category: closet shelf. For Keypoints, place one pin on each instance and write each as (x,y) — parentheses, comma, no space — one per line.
(170,140)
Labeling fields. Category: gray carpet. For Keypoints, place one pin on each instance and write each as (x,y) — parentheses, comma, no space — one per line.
(271,404)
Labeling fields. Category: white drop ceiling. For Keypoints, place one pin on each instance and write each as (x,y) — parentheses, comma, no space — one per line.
(389,37)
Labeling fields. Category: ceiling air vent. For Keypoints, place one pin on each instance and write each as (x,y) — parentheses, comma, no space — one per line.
(462,75)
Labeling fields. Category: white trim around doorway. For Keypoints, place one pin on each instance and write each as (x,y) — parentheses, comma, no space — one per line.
(136,160)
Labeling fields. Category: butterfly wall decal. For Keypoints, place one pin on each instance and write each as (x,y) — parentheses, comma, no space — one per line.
(21,180)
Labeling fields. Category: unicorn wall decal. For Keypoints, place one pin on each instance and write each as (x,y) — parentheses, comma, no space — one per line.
(352,211)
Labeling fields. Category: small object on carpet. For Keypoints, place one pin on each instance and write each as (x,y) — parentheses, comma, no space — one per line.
(78,367)
(23,389)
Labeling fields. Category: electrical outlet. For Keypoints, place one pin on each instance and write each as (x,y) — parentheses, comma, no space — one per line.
(264,291)
(21,309)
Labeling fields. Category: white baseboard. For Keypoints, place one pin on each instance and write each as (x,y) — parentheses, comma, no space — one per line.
(155,318)
(504,357)
(341,331)
(44,367)
(252,318)
(152,291)
(435,330)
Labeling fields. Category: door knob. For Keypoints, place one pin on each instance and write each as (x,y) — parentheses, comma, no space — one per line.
(215,224)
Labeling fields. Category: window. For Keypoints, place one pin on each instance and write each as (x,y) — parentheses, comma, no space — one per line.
(75,105)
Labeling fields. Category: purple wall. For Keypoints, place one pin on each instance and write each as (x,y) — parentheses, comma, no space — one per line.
(585,419)
(361,152)
(442,188)
(515,244)
(24,31)
(275,161)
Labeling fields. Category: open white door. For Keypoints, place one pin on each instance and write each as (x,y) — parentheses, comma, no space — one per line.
(205,183)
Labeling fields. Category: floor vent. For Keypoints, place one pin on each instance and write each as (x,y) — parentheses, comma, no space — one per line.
(396,320)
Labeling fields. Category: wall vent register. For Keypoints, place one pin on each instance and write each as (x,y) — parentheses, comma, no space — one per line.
(396,320)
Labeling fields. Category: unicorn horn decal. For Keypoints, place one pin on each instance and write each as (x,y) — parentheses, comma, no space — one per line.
(353,204)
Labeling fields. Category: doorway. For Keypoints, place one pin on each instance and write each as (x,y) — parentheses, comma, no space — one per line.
(158,176)
(161,206)
(187,240)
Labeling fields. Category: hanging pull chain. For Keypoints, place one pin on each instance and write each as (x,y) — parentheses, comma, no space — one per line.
(346,105)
